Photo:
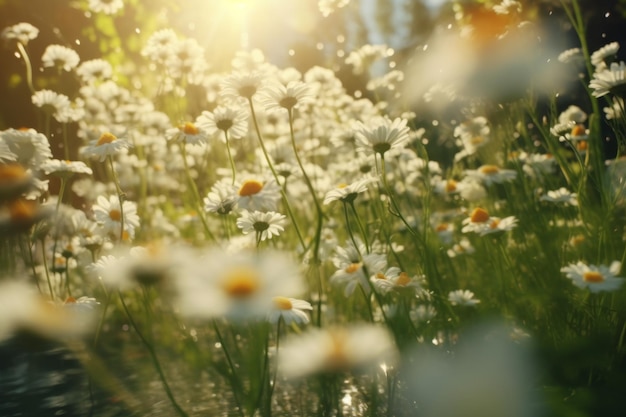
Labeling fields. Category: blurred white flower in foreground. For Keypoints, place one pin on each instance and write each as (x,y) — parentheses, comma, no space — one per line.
(335,349)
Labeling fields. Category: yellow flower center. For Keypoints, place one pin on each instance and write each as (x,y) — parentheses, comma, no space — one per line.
(250,187)
(189,129)
(11,172)
(578,130)
(22,210)
(282,303)
(489,169)
(352,268)
(380,275)
(106,138)
(494,223)
(70,300)
(593,277)
(241,282)
(442,227)
(342,185)
(450,186)
(479,215)
(477,140)
(115,215)
(403,279)
(582,145)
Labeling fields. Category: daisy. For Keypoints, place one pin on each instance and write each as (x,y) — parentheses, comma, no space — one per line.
(232,120)
(394,279)
(598,58)
(52,103)
(105,6)
(21,32)
(107,212)
(22,308)
(562,195)
(609,80)
(491,174)
(261,195)
(65,168)
(464,247)
(30,148)
(241,84)
(293,95)
(59,56)
(571,56)
(222,199)
(595,278)
(188,132)
(616,110)
(108,145)
(236,285)
(335,349)
(352,268)
(462,298)
(382,134)
(160,46)
(347,193)
(482,223)
(94,70)
(289,310)
(265,224)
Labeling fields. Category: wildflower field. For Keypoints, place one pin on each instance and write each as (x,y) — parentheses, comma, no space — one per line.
(203,214)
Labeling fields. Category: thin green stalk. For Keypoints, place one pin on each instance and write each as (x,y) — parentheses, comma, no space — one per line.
(360,225)
(234,379)
(230,155)
(120,196)
(196,194)
(45,267)
(271,167)
(29,67)
(155,359)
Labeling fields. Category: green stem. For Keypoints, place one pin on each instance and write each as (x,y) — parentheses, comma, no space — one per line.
(230,155)
(120,196)
(234,380)
(29,67)
(271,166)
(155,359)
(196,194)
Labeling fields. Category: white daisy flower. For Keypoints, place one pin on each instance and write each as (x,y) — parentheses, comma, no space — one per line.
(348,192)
(188,132)
(107,145)
(616,110)
(462,298)
(21,32)
(571,56)
(30,148)
(242,84)
(236,285)
(609,80)
(59,56)
(278,96)
(231,119)
(562,195)
(595,278)
(265,224)
(482,223)
(352,267)
(258,194)
(65,168)
(463,247)
(105,6)
(491,174)
(599,57)
(222,199)
(51,102)
(289,310)
(394,279)
(107,212)
(336,349)
(382,134)
(94,70)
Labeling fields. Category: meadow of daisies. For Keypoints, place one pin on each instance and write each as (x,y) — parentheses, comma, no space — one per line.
(280,246)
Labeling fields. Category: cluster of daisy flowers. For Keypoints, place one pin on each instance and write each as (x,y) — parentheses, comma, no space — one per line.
(282,200)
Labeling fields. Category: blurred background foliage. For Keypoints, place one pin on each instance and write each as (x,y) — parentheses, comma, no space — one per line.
(290,33)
